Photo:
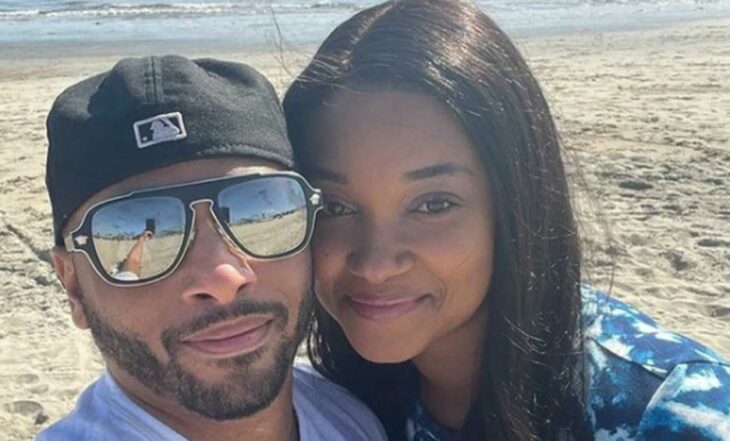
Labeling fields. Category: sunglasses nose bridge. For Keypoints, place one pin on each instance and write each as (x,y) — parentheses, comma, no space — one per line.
(203,203)
(192,204)
(196,217)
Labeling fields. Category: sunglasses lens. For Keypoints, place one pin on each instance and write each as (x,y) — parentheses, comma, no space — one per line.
(267,217)
(138,239)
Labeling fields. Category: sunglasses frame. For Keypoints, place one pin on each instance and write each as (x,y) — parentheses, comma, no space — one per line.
(190,193)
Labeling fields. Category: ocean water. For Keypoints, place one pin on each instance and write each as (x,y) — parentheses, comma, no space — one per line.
(261,22)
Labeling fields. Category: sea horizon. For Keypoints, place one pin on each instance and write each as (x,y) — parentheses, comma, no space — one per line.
(251,24)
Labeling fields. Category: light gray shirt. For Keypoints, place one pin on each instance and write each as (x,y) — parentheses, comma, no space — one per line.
(326,412)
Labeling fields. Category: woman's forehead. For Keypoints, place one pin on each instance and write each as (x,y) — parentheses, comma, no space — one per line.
(396,128)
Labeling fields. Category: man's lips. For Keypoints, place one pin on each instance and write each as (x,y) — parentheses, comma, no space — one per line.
(232,337)
(383,307)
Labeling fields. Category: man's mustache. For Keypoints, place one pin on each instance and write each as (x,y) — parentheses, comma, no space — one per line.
(172,337)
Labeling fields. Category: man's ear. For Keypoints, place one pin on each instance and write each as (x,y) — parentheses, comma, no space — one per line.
(66,272)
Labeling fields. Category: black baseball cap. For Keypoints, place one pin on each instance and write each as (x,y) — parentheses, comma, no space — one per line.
(152,112)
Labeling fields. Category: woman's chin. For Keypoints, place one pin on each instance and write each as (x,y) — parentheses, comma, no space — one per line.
(377,349)
(381,355)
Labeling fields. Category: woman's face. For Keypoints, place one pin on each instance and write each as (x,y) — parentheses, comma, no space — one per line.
(403,250)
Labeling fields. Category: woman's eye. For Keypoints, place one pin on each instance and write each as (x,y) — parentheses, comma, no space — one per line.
(435,205)
(336,209)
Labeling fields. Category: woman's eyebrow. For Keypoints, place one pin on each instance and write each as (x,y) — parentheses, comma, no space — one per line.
(325,175)
(432,171)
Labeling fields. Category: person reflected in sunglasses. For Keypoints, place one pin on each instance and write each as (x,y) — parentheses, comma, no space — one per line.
(131,267)
(184,252)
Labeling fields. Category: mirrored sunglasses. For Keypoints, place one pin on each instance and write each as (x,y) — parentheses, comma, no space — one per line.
(142,237)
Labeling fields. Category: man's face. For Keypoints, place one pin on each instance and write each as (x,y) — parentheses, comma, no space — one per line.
(217,336)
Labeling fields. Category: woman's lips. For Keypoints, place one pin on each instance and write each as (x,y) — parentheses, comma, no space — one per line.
(383,308)
(231,338)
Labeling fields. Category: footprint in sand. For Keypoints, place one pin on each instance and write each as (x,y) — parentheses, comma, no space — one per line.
(718,311)
(678,260)
(632,184)
(27,408)
(25,379)
(711,242)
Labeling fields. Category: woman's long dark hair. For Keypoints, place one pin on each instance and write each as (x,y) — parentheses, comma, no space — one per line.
(531,372)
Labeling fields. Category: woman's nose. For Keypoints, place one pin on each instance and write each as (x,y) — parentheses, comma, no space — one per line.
(380,254)
(215,269)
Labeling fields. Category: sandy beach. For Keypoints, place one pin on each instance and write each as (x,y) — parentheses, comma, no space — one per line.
(644,115)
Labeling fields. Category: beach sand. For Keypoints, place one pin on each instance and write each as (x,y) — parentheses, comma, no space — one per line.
(645,117)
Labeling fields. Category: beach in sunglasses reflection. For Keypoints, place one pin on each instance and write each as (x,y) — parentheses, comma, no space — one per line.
(141,237)
(129,256)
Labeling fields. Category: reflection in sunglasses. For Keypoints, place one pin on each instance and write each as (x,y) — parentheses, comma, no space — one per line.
(142,236)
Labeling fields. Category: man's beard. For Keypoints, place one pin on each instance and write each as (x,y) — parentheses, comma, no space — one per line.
(245,390)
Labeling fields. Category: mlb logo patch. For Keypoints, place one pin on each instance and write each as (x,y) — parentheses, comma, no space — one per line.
(159,129)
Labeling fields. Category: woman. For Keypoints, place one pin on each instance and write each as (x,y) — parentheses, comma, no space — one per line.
(447,262)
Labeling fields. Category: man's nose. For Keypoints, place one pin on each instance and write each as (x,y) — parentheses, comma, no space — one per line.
(214,269)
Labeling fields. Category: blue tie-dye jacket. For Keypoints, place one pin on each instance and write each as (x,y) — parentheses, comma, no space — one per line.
(644,383)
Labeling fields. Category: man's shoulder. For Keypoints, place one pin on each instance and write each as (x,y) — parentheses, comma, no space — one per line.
(87,417)
(313,388)
(327,411)
(103,412)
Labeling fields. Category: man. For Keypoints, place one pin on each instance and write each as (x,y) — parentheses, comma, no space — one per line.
(200,337)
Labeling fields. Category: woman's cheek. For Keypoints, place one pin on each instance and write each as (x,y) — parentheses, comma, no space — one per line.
(450,242)
(328,255)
